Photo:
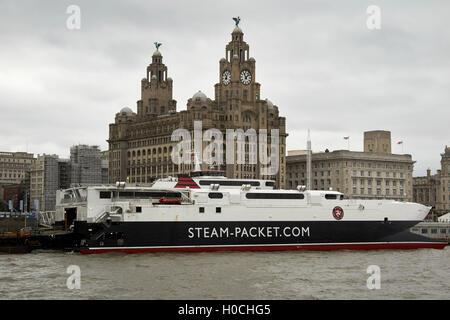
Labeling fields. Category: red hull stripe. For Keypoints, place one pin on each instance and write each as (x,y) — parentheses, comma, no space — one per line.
(186,182)
(320,247)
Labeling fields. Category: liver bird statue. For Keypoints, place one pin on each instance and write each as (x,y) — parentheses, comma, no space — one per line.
(237,20)
(157,45)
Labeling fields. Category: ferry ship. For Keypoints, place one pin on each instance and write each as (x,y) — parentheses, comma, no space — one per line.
(208,212)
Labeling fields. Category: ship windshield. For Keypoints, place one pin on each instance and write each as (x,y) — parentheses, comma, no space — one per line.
(146,194)
(210,173)
(334,196)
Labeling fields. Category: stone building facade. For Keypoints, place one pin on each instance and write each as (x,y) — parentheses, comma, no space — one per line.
(359,175)
(14,166)
(15,170)
(425,189)
(377,141)
(140,145)
(434,190)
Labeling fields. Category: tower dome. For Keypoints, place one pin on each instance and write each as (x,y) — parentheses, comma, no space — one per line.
(126,111)
(156,53)
(237,30)
(269,104)
(199,95)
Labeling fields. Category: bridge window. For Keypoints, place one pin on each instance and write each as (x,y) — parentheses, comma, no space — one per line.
(228,183)
(105,194)
(331,196)
(123,194)
(287,196)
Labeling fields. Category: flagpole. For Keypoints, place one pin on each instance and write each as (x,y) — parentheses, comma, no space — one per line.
(308,162)
(348,142)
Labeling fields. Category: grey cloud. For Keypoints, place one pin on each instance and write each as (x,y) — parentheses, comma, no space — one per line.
(316,60)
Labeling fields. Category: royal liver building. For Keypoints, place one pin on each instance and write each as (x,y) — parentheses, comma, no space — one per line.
(140,145)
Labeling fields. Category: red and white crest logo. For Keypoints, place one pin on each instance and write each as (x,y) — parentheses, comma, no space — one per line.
(338,213)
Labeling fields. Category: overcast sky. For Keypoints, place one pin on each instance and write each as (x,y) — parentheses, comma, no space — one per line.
(316,60)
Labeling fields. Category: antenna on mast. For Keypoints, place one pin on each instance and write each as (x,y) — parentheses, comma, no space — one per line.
(308,162)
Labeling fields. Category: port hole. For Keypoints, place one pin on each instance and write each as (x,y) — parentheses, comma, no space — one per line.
(385,220)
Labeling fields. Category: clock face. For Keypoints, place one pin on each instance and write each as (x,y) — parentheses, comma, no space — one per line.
(226,77)
(246,77)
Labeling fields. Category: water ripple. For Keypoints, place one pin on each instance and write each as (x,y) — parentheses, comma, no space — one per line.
(415,274)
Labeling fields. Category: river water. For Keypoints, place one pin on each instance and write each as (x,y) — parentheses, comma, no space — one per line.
(409,274)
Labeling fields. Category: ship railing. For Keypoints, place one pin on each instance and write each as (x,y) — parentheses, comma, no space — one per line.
(102,216)
(46,218)
(73,200)
(108,212)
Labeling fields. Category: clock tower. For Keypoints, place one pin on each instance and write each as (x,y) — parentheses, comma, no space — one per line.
(237,77)
(237,94)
